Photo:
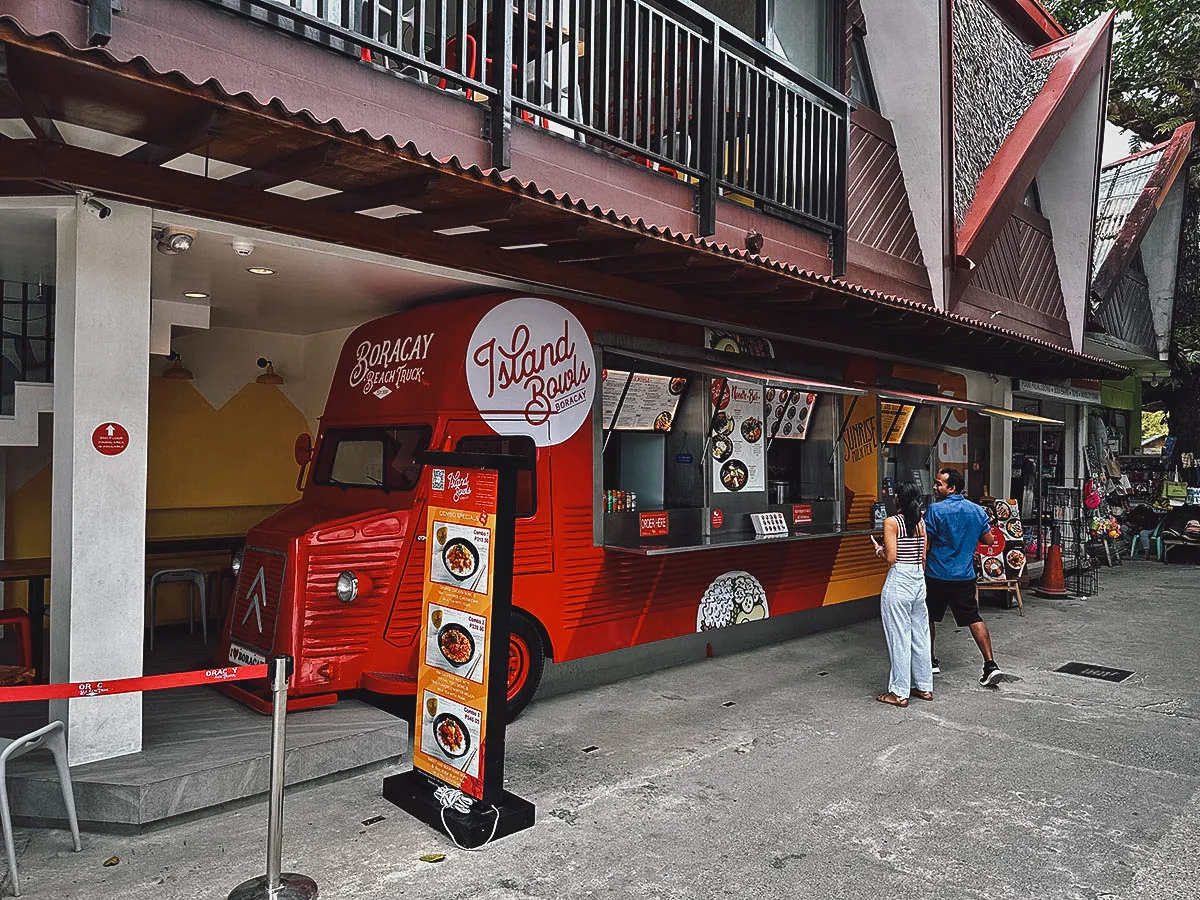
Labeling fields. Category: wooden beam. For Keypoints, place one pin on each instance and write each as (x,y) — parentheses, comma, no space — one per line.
(606,248)
(674,260)
(191,136)
(521,232)
(481,212)
(394,192)
(33,113)
(292,167)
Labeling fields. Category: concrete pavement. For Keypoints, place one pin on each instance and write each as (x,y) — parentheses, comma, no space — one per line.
(773,772)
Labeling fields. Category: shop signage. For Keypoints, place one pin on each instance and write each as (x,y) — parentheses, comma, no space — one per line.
(456,630)
(717,518)
(684,459)
(1066,393)
(462,666)
(645,402)
(531,370)
(382,366)
(652,524)
(802,514)
(110,438)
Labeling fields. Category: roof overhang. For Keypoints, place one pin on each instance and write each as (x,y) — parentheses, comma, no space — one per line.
(567,247)
(1083,57)
(1137,223)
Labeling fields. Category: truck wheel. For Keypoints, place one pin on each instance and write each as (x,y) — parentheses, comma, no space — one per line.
(526,661)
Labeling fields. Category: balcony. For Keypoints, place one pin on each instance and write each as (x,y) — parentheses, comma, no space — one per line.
(663,85)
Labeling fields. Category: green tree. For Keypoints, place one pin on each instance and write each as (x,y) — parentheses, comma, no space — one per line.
(1156,60)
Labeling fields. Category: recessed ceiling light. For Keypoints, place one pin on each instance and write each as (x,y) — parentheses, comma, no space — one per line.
(195,295)
(260,270)
(525,246)
(460,229)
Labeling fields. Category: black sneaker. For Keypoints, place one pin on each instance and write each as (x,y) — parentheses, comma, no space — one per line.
(991,674)
(937,666)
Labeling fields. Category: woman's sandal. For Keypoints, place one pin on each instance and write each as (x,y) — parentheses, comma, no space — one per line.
(892,700)
(921,695)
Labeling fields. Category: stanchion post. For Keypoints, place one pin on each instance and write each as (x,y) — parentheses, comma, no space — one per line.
(276,885)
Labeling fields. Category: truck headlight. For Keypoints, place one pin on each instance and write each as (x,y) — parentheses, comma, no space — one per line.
(236,563)
(347,587)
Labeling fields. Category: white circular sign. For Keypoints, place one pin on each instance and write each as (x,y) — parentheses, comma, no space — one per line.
(531,370)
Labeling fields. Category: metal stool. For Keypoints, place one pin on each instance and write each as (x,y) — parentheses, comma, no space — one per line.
(48,738)
(190,577)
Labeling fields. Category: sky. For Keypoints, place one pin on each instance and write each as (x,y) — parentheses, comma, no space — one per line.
(1116,143)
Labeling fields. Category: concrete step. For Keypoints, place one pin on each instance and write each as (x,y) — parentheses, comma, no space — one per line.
(201,753)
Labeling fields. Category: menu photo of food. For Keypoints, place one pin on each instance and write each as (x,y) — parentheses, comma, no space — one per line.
(460,556)
(451,732)
(789,412)
(738,444)
(456,642)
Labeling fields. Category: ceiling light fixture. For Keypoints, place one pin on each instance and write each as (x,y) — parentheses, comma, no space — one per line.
(269,376)
(171,241)
(195,295)
(260,270)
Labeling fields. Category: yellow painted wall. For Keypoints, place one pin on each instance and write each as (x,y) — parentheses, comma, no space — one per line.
(856,571)
(209,472)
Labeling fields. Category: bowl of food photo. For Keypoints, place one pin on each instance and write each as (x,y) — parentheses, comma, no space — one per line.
(451,735)
(456,643)
(734,475)
(460,558)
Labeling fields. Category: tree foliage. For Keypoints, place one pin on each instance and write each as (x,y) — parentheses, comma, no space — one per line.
(1155,84)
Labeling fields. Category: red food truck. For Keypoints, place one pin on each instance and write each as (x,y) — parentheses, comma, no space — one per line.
(677,479)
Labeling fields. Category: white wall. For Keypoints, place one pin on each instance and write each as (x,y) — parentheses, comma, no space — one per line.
(904,46)
(1160,255)
(223,361)
(1067,185)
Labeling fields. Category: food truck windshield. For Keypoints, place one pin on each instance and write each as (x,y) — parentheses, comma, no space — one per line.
(378,458)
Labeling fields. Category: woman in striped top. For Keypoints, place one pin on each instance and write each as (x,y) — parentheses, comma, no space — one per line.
(902,601)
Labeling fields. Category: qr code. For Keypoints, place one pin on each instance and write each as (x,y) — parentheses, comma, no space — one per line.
(439,479)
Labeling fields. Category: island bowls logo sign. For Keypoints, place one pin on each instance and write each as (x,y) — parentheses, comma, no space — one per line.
(531,371)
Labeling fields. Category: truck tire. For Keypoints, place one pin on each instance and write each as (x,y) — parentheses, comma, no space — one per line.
(526,661)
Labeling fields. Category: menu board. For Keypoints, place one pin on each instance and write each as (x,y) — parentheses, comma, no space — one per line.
(738,436)
(452,674)
(789,412)
(650,400)
(894,419)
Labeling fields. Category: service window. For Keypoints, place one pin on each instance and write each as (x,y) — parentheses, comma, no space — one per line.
(801,433)
(521,447)
(907,432)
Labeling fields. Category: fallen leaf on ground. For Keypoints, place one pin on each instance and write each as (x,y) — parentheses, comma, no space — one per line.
(433,857)
(111,861)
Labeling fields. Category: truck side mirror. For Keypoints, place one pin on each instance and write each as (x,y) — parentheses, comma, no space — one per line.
(304,449)
(304,452)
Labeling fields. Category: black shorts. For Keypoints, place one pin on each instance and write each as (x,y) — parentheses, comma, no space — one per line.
(958,595)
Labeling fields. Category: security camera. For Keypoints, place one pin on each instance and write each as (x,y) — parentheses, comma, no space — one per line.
(95,207)
(171,241)
(242,248)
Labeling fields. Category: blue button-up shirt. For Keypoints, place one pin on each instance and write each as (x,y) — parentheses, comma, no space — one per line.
(954,526)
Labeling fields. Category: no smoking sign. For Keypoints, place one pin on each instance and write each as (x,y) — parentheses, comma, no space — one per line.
(110,438)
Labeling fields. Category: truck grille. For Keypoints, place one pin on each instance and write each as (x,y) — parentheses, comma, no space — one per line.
(256,600)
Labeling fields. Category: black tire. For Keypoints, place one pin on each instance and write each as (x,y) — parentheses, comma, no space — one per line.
(527,661)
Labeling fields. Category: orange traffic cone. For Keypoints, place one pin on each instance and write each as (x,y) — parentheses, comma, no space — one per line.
(1052,584)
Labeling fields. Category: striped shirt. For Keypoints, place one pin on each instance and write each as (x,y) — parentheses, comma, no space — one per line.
(910,550)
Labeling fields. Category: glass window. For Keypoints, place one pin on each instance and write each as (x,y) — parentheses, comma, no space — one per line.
(799,31)
(382,458)
(862,85)
(519,446)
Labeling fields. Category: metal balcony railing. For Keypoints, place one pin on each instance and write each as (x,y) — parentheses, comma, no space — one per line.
(664,84)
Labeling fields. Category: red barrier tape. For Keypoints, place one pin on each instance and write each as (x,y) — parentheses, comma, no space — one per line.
(131,685)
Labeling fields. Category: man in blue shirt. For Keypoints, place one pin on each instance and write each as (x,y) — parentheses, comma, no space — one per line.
(955,525)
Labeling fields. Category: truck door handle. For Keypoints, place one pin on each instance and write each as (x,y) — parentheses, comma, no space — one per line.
(420,537)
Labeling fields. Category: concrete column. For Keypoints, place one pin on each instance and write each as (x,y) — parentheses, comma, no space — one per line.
(1001,447)
(98,514)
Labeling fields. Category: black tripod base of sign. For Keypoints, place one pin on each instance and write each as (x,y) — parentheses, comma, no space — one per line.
(412,791)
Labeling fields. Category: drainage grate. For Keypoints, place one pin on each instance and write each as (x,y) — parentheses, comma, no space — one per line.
(1091,670)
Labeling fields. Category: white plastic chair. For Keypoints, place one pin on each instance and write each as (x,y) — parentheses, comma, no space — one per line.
(187,576)
(48,738)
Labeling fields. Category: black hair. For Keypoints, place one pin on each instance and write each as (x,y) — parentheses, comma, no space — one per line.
(908,505)
(954,479)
